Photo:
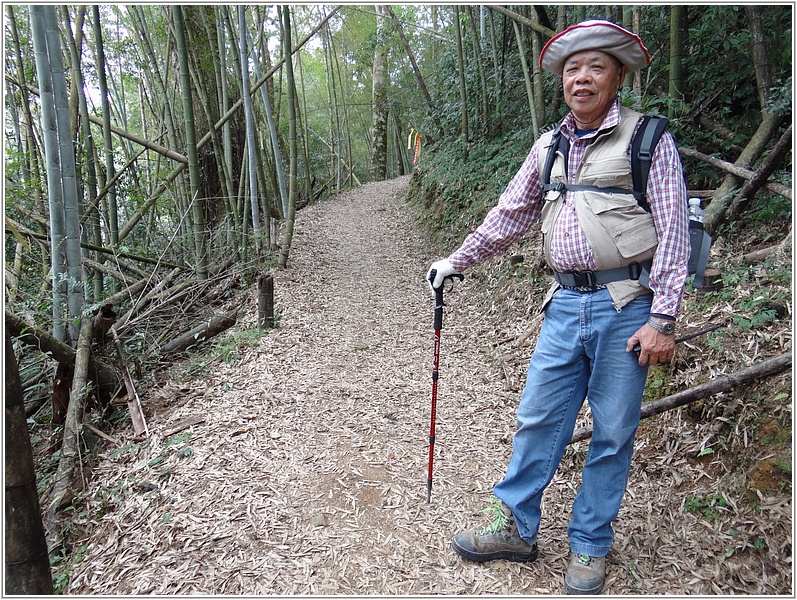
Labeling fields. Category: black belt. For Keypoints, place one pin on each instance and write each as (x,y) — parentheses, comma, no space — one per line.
(598,279)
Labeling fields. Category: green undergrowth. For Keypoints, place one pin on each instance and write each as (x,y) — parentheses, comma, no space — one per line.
(452,195)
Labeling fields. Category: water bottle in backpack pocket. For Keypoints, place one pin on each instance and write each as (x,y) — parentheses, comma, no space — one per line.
(699,243)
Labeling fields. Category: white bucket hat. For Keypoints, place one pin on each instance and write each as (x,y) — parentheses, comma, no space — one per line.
(594,35)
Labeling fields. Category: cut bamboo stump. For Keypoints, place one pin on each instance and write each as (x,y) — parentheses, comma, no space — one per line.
(265,301)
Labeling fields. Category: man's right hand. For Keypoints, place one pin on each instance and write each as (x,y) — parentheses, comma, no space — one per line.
(443,268)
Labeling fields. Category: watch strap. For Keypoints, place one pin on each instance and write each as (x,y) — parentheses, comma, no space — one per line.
(667,328)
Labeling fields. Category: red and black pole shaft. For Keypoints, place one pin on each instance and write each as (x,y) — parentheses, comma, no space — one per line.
(438,326)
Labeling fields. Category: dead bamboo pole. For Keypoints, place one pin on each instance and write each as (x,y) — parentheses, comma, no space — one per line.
(65,483)
(140,430)
(725,383)
(213,326)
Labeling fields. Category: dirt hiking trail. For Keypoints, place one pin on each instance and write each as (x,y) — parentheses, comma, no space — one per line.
(308,474)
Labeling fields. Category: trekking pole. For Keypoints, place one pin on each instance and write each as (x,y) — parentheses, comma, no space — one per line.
(438,326)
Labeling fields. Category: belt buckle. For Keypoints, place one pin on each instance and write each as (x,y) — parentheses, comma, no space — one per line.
(585,279)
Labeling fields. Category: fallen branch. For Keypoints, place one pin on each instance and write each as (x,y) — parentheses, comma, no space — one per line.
(200,333)
(183,425)
(99,372)
(95,266)
(102,434)
(725,383)
(773,186)
(142,301)
(145,259)
(140,430)
(757,255)
(127,293)
(65,482)
(765,169)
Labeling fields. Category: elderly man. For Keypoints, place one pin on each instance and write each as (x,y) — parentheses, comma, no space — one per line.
(596,311)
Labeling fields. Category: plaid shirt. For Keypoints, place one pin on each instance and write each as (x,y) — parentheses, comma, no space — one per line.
(520,206)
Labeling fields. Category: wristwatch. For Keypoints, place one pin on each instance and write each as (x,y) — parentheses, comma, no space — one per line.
(667,327)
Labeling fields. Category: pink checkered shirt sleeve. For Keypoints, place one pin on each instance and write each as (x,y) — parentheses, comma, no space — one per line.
(667,197)
(518,208)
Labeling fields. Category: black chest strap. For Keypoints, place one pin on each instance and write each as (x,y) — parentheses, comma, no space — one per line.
(643,145)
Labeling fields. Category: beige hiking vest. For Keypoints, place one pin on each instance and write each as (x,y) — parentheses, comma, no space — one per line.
(619,231)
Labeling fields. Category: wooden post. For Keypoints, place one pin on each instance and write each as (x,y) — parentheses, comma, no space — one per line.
(265,301)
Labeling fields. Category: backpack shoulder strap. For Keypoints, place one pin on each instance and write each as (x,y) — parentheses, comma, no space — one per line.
(643,145)
(558,143)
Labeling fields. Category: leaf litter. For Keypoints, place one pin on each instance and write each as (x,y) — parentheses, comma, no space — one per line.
(305,470)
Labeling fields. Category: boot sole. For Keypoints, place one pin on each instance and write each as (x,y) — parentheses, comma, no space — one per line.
(571,591)
(521,557)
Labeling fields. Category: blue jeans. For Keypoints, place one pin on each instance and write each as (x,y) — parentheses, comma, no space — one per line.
(581,353)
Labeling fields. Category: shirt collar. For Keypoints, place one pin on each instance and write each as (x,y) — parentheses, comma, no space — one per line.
(612,119)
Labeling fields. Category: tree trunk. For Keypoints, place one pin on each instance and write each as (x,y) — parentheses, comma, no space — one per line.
(99,56)
(55,197)
(226,131)
(678,30)
(66,152)
(194,176)
(536,72)
(379,89)
(763,72)
(527,79)
(477,55)
(463,94)
(417,71)
(251,137)
(155,196)
(497,72)
(334,120)
(95,232)
(27,567)
(637,18)
(289,79)
(273,130)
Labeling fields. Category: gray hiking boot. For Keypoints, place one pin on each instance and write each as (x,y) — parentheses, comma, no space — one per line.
(498,540)
(585,574)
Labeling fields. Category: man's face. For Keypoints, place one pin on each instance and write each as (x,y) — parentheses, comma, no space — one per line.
(591,79)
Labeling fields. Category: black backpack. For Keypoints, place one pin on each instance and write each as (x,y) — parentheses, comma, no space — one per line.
(643,145)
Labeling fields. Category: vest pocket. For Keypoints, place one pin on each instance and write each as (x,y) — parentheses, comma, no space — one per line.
(636,237)
(630,228)
(606,172)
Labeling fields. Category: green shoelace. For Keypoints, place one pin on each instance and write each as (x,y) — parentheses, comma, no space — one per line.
(584,559)
(500,520)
